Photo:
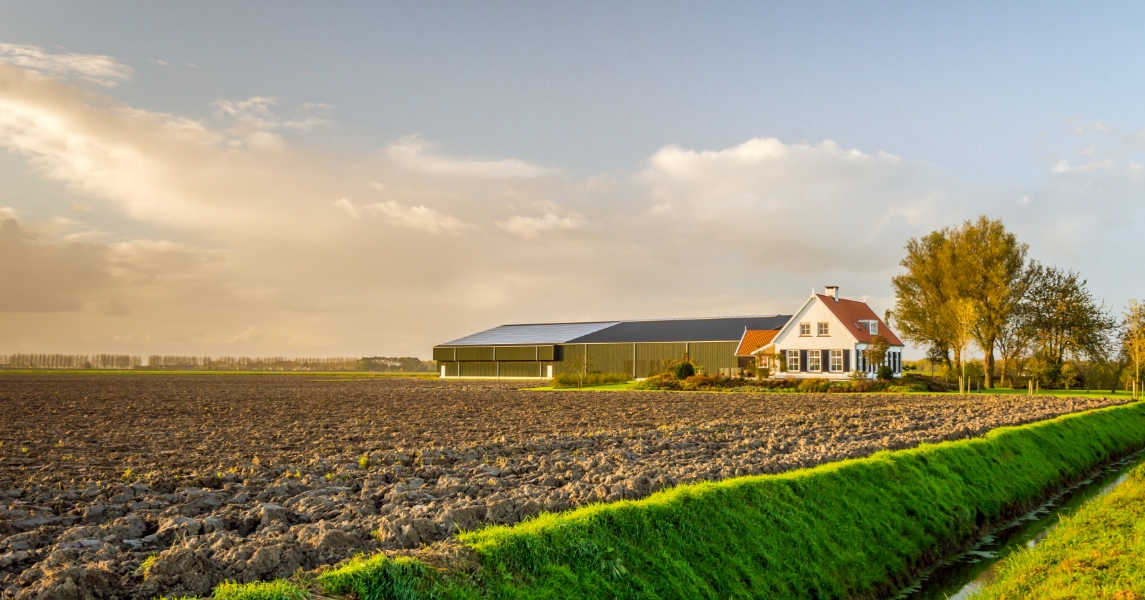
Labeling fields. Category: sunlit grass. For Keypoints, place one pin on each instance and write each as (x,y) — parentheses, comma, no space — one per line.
(1095,553)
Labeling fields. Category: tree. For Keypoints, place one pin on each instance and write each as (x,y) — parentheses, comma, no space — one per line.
(924,291)
(990,271)
(876,351)
(1065,320)
(1014,342)
(1133,337)
(962,317)
(578,365)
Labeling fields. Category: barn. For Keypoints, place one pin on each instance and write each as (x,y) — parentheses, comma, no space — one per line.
(640,348)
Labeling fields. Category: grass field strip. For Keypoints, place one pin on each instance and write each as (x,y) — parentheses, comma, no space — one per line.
(959,577)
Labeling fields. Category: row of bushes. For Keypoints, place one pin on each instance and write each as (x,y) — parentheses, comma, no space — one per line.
(575,380)
(668,381)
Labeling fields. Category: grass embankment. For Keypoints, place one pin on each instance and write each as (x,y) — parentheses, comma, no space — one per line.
(847,529)
(1095,553)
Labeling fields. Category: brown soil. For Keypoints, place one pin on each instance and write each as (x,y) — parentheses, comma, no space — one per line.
(253,477)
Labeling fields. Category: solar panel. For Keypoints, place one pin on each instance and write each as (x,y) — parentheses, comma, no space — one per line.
(551,333)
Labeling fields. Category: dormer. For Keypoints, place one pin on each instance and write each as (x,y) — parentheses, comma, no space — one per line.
(871,326)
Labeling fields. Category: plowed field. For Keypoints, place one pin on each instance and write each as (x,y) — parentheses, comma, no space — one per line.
(254,477)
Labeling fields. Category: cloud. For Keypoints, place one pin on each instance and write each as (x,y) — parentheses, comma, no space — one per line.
(96,68)
(347,206)
(533,227)
(411,153)
(232,234)
(417,217)
(40,276)
(255,114)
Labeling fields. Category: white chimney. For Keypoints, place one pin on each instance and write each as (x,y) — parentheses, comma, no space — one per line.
(833,291)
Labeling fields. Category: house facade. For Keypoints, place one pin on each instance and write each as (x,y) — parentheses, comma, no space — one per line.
(827,337)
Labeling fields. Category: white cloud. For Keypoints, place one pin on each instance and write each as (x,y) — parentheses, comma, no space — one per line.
(421,218)
(347,206)
(255,114)
(411,153)
(1064,166)
(533,227)
(96,68)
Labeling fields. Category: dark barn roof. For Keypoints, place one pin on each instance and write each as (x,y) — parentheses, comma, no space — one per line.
(720,329)
(715,329)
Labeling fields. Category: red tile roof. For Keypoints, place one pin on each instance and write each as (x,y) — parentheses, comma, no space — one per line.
(850,312)
(754,339)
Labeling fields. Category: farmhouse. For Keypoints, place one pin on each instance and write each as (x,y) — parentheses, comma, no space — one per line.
(825,338)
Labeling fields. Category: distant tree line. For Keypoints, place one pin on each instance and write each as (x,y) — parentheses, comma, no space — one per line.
(70,361)
(206,363)
(973,286)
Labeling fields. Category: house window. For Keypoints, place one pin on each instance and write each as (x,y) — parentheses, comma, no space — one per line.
(873,327)
(804,329)
(793,360)
(814,361)
(761,361)
(824,329)
(836,361)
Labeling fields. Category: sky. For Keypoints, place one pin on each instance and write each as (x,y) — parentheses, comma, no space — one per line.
(361,179)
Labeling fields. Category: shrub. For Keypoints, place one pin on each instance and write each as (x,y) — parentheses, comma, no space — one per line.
(703,382)
(683,369)
(907,387)
(663,381)
(885,373)
(814,386)
(571,380)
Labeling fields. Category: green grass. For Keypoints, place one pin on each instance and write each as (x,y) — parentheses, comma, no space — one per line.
(631,386)
(1095,553)
(628,385)
(263,590)
(848,529)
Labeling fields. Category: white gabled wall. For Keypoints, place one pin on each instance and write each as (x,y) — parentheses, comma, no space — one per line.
(814,312)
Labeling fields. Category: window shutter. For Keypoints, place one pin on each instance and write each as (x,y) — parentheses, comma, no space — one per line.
(803,361)
(846,361)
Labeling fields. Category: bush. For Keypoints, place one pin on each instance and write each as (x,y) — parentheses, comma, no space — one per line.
(571,380)
(663,381)
(885,373)
(909,387)
(683,369)
(814,386)
(703,382)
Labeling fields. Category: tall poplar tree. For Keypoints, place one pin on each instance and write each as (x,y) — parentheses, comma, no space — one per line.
(990,271)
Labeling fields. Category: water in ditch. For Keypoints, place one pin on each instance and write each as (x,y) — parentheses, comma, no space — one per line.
(959,577)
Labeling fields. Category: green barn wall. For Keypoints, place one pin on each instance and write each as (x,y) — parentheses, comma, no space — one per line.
(640,359)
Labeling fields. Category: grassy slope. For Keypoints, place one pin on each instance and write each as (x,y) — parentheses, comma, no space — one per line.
(1096,553)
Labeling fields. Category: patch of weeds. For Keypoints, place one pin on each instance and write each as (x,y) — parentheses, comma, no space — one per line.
(329,477)
(378,577)
(127,473)
(364,462)
(145,567)
(262,590)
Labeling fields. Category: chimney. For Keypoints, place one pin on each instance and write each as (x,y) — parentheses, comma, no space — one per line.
(833,291)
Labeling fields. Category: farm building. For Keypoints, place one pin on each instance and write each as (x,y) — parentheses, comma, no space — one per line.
(825,338)
(637,347)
